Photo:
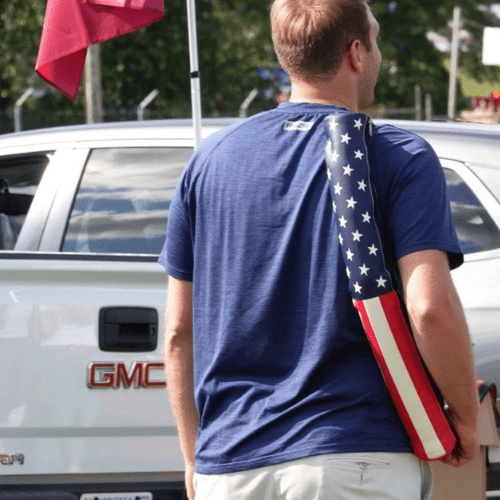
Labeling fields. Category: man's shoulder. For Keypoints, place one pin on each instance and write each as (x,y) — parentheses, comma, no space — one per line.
(247,127)
(387,133)
(391,132)
(392,143)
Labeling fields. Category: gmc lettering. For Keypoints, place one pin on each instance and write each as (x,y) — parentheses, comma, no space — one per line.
(116,375)
(10,459)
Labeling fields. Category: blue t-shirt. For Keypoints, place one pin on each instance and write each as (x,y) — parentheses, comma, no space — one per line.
(282,366)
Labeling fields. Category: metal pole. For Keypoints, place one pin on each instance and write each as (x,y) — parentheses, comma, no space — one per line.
(145,102)
(17,108)
(455,48)
(93,89)
(244,106)
(418,103)
(428,107)
(195,73)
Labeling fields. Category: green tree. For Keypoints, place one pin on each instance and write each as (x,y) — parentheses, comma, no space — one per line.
(234,41)
(20,23)
(409,58)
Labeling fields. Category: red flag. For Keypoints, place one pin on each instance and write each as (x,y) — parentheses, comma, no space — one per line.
(72,25)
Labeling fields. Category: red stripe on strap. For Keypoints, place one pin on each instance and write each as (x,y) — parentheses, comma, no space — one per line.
(416,371)
(414,365)
(393,391)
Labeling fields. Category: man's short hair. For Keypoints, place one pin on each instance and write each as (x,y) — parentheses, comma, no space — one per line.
(311,36)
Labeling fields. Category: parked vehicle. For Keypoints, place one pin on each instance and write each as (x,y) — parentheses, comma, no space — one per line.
(83,211)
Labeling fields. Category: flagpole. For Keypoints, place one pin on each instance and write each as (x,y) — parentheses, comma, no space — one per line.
(195,73)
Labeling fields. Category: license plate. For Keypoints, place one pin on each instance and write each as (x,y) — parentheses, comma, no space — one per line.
(117,496)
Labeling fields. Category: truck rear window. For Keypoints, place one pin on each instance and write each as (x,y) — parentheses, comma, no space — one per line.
(123,200)
(19,179)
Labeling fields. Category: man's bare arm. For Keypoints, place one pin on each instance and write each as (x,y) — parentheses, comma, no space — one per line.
(179,370)
(442,337)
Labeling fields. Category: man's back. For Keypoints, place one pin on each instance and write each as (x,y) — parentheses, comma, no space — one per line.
(282,370)
(282,366)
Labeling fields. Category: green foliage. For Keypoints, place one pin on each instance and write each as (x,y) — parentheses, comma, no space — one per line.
(20,23)
(409,58)
(234,41)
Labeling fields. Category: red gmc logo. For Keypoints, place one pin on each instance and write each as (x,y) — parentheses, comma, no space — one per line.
(10,459)
(115,375)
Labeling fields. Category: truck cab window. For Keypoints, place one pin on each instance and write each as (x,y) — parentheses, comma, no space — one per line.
(123,200)
(19,179)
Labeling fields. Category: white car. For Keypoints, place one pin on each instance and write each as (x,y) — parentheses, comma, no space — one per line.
(83,214)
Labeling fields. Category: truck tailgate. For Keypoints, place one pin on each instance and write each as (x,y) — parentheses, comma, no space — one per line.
(75,407)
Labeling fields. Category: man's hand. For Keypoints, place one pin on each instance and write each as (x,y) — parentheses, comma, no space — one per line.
(467,446)
(188,479)
(442,338)
(179,371)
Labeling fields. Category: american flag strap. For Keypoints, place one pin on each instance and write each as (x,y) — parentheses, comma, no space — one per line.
(371,285)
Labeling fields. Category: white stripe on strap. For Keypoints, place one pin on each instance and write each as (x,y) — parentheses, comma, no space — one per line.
(402,378)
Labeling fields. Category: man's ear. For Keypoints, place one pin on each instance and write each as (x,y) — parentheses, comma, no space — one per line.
(355,56)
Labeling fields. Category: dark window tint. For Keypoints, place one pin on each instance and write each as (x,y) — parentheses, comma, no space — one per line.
(475,228)
(19,179)
(123,200)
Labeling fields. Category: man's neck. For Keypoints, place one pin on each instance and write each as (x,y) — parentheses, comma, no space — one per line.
(326,102)
(334,93)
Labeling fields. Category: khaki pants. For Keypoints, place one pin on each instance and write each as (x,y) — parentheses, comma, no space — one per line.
(339,476)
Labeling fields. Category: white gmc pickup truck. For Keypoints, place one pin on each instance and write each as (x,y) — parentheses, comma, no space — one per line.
(84,412)
(83,407)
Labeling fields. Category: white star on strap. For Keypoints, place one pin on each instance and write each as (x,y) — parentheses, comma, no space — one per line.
(356,236)
(348,272)
(332,125)
(341,240)
(345,138)
(348,170)
(334,156)
(342,221)
(357,287)
(366,217)
(358,124)
(381,282)
(334,205)
(338,188)
(358,154)
(329,174)
(351,202)
(364,270)
(373,250)
(362,185)
(349,254)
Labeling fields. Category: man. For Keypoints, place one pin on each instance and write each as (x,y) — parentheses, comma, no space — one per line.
(282,397)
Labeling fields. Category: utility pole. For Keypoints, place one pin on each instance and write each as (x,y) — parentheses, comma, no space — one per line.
(93,86)
(428,107)
(418,103)
(455,54)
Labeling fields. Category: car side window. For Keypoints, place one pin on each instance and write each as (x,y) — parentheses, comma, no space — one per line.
(19,179)
(123,200)
(477,232)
